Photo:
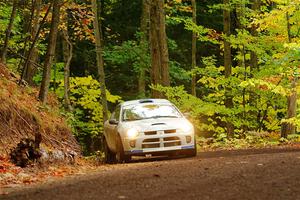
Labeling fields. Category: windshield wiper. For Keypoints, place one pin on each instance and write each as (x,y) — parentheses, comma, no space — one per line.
(129,120)
(153,117)
(163,116)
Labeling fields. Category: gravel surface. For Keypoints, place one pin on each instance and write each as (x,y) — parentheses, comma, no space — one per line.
(250,174)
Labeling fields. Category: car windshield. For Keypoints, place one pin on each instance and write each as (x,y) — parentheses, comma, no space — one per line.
(147,111)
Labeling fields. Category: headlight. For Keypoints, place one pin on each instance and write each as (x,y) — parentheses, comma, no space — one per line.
(186,127)
(132,133)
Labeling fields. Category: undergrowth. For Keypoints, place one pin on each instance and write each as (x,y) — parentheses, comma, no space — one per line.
(250,140)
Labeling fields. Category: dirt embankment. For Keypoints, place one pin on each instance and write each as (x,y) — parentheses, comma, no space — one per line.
(23,116)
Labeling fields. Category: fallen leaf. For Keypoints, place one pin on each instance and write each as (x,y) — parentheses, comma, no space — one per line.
(57,174)
(156,175)
(28,181)
(3,193)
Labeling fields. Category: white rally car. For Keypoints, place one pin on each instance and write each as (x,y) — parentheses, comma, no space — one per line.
(147,127)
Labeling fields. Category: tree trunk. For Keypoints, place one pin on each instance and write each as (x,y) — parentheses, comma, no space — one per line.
(288,128)
(164,45)
(253,57)
(194,48)
(28,17)
(50,51)
(8,30)
(227,32)
(32,46)
(158,46)
(30,69)
(155,50)
(240,11)
(100,62)
(227,62)
(68,54)
(254,65)
(144,45)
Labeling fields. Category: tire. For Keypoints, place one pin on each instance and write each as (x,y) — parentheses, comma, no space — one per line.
(120,155)
(109,156)
(192,152)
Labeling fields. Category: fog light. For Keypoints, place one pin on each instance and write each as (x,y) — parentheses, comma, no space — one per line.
(132,143)
(188,139)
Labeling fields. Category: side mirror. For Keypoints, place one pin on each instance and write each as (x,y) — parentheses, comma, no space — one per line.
(113,121)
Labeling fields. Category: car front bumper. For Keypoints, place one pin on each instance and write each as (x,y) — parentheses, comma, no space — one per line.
(159,144)
(165,151)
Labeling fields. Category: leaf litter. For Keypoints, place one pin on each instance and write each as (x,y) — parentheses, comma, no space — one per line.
(13,176)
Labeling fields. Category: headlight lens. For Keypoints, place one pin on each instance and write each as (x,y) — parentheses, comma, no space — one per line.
(186,127)
(132,133)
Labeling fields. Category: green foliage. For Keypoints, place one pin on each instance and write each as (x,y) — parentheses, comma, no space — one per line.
(210,113)
(87,117)
(5,12)
(57,74)
(85,96)
(250,140)
(198,109)
(16,36)
(203,34)
(177,73)
(131,53)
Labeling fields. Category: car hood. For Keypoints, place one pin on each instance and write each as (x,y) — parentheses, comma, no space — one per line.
(155,124)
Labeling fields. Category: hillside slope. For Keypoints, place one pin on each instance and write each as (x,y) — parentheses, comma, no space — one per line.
(23,116)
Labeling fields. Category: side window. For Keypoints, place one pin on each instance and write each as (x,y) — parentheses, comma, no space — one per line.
(116,114)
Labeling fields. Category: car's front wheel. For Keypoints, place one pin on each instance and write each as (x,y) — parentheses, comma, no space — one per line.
(109,156)
(120,155)
(192,152)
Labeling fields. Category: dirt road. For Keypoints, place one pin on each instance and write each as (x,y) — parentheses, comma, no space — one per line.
(255,174)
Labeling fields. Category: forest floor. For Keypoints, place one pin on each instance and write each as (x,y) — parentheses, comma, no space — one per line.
(13,177)
(271,173)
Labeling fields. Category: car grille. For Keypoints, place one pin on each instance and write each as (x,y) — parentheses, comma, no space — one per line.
(146,146)
(171,144)
(151,140)
(155,132)
(161,142)
(150,133)
(170,131)
(171,138)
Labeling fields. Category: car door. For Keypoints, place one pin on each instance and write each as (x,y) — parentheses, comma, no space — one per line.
(111,129)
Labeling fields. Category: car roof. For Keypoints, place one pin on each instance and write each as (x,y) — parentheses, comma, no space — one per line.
(142,101)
